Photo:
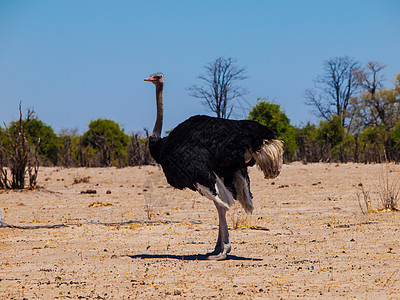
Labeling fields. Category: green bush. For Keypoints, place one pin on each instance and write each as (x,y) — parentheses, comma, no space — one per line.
(271,115)
(331,131)
(49,142)
(108,140)
(372,143)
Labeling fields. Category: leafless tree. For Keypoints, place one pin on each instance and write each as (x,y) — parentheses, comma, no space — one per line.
(220,88)
(369,78)
(334,89)
(20,156)
(375,105)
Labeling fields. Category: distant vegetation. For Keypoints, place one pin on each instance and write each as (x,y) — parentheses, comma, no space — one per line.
(360,122)
(104,144)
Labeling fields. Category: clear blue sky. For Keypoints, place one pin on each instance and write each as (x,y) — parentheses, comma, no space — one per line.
(76,61)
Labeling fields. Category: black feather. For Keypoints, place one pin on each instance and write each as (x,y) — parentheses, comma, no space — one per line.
(202,147)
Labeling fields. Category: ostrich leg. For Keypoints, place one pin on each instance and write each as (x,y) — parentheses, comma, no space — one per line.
(223,246)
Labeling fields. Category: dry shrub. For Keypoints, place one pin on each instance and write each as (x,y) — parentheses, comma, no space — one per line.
(389,191)
(81,179)
(138,152)
(384,197)
(19,156)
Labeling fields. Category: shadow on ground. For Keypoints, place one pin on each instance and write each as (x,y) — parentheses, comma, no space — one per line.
(190,257)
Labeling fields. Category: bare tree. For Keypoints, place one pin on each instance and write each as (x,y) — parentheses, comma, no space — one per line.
(377,107)
(220,87)
(369,78)
(20,157)
(374,105)
(334,89)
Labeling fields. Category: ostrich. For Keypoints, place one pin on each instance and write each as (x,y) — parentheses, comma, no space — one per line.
(211,155)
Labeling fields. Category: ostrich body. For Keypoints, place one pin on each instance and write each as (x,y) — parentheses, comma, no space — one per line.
(211,156)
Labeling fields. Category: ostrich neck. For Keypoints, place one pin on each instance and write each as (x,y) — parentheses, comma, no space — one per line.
(160,111)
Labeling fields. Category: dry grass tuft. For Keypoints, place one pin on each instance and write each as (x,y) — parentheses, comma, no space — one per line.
(240,220)
(385,196)
(389,192)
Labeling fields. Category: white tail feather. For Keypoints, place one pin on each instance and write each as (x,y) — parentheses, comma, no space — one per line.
(243,192)
(270,158)
(223,197)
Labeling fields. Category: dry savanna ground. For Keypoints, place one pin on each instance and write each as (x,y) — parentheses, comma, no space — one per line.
(307,238)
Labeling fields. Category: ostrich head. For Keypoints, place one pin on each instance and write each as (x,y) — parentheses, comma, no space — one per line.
(156,79)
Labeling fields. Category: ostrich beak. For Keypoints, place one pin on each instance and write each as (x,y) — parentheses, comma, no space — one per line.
(150,79)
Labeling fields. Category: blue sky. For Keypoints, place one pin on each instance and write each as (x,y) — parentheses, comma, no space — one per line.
(76,61)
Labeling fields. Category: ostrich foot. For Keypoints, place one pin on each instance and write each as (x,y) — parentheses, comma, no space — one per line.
(220,254)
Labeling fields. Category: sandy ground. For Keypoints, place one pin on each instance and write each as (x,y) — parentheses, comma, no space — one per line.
(307,238)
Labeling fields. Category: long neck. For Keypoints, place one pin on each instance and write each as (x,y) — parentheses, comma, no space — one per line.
(160,111)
